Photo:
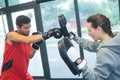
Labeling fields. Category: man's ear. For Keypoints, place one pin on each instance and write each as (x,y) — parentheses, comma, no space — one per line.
(18,28)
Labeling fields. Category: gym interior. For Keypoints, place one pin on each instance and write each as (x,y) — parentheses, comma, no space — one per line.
(47,63)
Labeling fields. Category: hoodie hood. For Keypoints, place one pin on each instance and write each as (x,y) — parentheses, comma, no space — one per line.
(113,42)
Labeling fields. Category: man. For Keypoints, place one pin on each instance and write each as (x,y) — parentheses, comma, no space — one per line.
(18,49)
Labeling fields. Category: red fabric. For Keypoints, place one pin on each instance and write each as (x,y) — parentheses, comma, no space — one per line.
(20,53)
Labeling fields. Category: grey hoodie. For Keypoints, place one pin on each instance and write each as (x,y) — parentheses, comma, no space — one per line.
(108,58)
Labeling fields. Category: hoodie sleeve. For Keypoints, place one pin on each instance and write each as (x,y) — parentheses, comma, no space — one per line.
(86,44)
(104,66)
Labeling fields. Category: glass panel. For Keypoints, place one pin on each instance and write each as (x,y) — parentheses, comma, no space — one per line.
(2,3)
(3,31)
(15,2)
(97,6)
(35,66)
(58,68)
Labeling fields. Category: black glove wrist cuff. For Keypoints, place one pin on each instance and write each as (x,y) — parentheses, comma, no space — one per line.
(45,36)
(35,47)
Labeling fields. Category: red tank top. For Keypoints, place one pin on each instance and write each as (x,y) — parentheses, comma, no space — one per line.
(19,53)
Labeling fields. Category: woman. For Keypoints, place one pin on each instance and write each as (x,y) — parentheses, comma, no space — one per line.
(107,47)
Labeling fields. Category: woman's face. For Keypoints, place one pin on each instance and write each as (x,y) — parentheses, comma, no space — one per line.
(92,32)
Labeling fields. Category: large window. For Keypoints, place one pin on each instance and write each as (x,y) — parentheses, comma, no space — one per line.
(35,66)
(3,31)
(58,68)
(2,3)
(16,2)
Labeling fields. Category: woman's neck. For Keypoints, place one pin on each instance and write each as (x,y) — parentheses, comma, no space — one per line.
(106,37)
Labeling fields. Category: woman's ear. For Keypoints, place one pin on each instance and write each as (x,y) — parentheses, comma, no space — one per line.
(99,28)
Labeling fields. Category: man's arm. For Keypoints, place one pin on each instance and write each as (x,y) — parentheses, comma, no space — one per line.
(16,37)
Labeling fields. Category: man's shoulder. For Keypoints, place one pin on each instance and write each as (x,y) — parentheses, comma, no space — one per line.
(11,33)
(9,36)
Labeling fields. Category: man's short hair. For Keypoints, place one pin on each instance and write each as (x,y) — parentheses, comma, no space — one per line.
(22,19)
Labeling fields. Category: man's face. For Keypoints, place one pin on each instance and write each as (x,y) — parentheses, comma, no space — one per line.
(92,32)
(24,29)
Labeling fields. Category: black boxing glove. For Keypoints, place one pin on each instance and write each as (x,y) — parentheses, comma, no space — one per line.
(36,45)
(56,32)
